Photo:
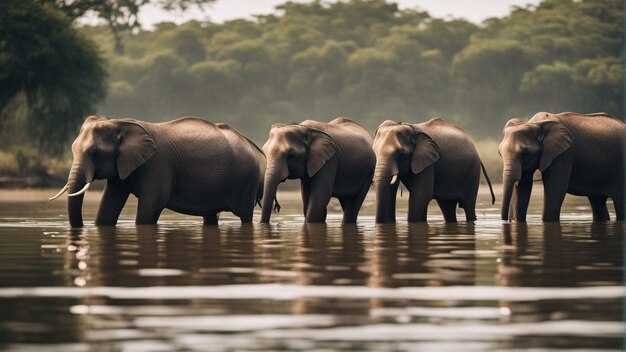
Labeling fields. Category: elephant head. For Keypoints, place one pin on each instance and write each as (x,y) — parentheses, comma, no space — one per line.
(293,151)
(400,148)
(526,147)
(104,149)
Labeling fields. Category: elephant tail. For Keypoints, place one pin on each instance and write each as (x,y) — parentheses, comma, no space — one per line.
(259,197)
(493,196)
(276,206)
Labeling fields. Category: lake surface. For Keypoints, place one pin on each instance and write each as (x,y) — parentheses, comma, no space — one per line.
(482,286)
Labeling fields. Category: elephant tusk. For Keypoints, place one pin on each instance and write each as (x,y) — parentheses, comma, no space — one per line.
(393,179)
(81,191)
(60,192)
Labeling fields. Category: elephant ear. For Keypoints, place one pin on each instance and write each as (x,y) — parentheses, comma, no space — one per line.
(321,148)
(426,153)
(556,139)
(135,148)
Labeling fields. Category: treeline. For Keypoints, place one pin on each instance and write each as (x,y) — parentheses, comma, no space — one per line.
(370,61)
(364,59)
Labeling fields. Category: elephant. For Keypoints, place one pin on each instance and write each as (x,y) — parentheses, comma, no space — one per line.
(332,159)
(188,165)
(434,160)
(575,153)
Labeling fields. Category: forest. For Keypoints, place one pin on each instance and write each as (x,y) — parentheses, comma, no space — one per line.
(364,59)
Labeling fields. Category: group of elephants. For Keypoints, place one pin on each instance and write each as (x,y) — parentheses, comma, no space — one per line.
(200,168)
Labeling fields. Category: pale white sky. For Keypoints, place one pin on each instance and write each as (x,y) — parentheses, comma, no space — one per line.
(224,10)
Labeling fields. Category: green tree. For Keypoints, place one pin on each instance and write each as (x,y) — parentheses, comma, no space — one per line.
(559,55)
(51,76)
(369,60)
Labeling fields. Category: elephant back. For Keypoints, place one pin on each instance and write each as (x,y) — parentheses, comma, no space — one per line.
(353,141)
(352,126)
(457,150)
(219,145)
(449,137)
(239,139)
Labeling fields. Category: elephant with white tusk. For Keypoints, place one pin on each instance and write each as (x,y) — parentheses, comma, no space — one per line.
(188,165)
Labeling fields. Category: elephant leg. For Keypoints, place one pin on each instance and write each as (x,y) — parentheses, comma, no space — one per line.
(598,208)
(391,214)
(555,183)
(243,208)
(246,216)
(353,205)
(148,211)
(421,193)
(618,203)
(468,199)
(619,209)
(469,206)
(305,191)
(319,195)
(210,219)
(448,209)
(244,212)
(111,205)
(520,207)
(342,202)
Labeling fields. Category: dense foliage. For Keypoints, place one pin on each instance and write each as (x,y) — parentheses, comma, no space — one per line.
(368,60)
(51,76)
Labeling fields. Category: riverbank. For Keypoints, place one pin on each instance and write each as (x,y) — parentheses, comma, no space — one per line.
(25,168)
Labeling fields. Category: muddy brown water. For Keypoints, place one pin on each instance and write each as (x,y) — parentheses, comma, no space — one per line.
(487,285)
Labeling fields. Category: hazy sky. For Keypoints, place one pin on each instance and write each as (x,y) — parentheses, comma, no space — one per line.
(223,10)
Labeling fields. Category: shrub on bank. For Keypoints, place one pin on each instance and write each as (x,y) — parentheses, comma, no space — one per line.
(23,167)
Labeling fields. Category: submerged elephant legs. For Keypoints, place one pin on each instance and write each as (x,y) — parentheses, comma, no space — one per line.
(352,205)
(113,200)
(598,208)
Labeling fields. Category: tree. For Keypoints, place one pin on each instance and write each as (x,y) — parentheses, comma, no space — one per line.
(559,55)
(49,69)
(368,60)
(119,15)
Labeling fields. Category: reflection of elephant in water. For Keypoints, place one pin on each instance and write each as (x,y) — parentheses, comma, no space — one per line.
(434,159)
(577,154)
(331,159)
(188,165)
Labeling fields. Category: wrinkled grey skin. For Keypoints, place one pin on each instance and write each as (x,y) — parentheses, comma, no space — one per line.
(187,165)
(331,159)
(577,154)
(434,160)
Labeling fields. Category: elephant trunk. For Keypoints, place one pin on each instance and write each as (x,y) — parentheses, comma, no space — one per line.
(382,183)
(510,176)
(274,175)
(80,175)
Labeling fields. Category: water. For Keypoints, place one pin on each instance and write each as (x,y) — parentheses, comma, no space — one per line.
(289,286)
